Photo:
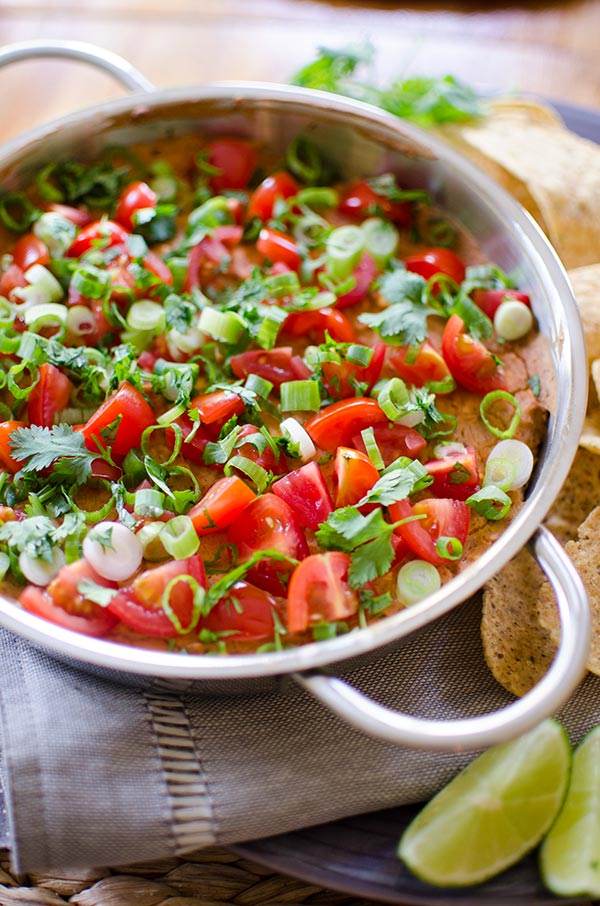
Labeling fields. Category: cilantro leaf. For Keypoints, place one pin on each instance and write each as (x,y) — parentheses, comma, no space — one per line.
(403,478)
(38,448)
(476,322)
(370,560)
(347,528)
(99,594)
(225,583)
(404,321)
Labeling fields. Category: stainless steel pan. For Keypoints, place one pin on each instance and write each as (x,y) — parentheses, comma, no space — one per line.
(363,140)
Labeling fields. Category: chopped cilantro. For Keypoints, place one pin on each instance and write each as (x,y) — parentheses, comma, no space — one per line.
(38,448)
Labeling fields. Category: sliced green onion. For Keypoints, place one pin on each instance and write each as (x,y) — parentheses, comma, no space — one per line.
(15,373)
(7,313)
(487,403)
(165,186)
(189,342)
(297,434)
(16,212)
(449,548)
(259,385)
(304,160)
(513,320)
(300,396)
(152,545)
(180,538)
(417,580)
(223,326)
(318,197)
(48,314)
(373,451)
(56,232)
(268,331)
(149,502)
(212,213)
(198,593)
(491,502)
(43,286)
(146,315)
(359,355)
(344,247)
(250,469)
(509,465)
(280,285)
(171,414)
(80,321)
(394,398)
(381,240)
(90,281)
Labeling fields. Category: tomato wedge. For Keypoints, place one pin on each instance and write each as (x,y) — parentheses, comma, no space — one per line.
(129,411)
(100,234)
(361,200)
(440,518)
(268,523)
(337,424)
(455,475)
(246,612)
(422,366)
(218,406)
(235,159)
(364,273)
(262,201)
(305,492)
(436,260)
(275,365)
(279,247)
(49,396)
(319,592)
(224,501)
(30,250)
(140,604)
(353,475)
(472,365)
(316,323)
(490,300)
(135,197)
(394,441)
(7,463)
(344,379)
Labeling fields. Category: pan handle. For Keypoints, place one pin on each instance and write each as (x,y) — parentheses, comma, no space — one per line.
(474,733)
(103,59)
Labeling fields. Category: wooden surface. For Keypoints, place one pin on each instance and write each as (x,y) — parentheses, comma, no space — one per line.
(550,49)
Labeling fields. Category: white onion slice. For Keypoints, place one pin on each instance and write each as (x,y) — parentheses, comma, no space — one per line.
(518,455)
(113,551)
(297,434)
(513,320)
(38,571)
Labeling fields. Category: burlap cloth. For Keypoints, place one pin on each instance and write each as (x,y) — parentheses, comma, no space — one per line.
(100,774)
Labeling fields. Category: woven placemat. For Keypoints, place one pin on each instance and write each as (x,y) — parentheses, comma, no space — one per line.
(209,877)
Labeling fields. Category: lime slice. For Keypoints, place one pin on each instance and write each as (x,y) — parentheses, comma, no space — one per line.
(493,812)
(570,854)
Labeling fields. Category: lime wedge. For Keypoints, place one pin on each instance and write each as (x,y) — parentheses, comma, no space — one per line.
(570,854)
(493,812)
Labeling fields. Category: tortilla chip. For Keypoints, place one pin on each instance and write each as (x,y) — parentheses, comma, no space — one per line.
(517,649)
(584,553)
(585,282)
(594,395)
(563,195)
(578,496)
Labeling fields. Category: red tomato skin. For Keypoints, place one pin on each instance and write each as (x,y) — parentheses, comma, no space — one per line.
(104,233)
(353,475)
(267,459)
(341,379)
(12,278)
(218,406)
(444,517)
(7,463)
(361,200)
(428,365)
(135,197)
(364,273)
(153,263)
(30,250)
(138,605)
(434,261)
(319,591)
(208,250)
(394,441)
(49,396)
(442,471)
(337,424)
(472,365)
(137,415)
(315,323)
(236,159)
(193,449)
(279,247)
(254,622)
(275,365)
(268,523)
(278,185)
(305,492)
(224,501)
(490,300)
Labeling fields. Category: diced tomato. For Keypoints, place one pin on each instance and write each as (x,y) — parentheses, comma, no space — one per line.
(236,161)
(246,612)
(153,263)
(30,250)
(135,197)
(455,475)
(353,475)
(7,463)
(394,441)
(337,424)
(305,492)
(472,365)
(319,592)
(314,324)
(267,459)
(434,261)
(218,406)
(224,501)
(344,379)
(277,365)
(268,523)
(421,366)
(192,449)
(361,200)
(209,250)
(100,234)
(364,273)
(79,216)
(140,605)
(230,234)
(49,396)
(12,278)
(490,300)
(63,604)
(262,200)
(129,411)
(279,247)
(441,518)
